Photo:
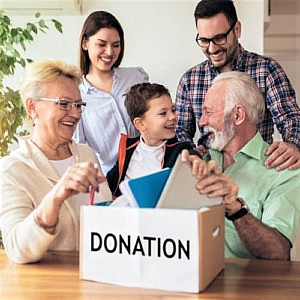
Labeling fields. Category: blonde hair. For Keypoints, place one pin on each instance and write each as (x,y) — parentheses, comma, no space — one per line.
(39,73)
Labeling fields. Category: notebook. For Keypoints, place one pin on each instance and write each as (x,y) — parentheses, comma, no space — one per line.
(145,191)
(180,190)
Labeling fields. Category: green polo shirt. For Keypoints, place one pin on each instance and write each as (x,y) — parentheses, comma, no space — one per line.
(272,196)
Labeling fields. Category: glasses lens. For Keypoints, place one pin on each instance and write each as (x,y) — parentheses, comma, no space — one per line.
(68,105)
(220,40)
(202,42)
(64,104)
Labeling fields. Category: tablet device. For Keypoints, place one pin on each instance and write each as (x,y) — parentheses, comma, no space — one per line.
(180,190)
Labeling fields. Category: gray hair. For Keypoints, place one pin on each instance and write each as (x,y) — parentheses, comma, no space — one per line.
(243,91)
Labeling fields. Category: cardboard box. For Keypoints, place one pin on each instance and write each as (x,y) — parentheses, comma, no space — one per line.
(167,249)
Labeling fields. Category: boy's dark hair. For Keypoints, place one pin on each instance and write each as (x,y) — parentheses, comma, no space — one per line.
(210,8)
(139,95)
(94,22)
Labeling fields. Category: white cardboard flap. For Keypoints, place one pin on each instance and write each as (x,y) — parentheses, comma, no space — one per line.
(149,248)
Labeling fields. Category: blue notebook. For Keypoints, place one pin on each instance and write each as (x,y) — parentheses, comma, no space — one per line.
(146,190)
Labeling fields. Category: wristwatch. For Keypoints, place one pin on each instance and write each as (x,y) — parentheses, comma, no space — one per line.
(240,213)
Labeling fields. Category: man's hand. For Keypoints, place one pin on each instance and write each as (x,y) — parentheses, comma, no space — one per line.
(202,150)
(213,182)
(220,184)
(283,155)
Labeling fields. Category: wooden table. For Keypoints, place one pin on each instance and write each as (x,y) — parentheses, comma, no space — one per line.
(57,277)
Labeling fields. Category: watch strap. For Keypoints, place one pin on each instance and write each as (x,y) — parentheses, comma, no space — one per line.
(240,213)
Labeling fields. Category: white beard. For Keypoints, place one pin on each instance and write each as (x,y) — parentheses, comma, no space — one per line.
(223,137)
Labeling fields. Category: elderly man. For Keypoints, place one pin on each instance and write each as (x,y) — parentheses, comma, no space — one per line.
(262,205)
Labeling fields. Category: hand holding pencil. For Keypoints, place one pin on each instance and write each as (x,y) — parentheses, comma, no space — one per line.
(80,178)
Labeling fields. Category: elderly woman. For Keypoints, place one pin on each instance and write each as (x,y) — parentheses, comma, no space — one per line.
(42,183)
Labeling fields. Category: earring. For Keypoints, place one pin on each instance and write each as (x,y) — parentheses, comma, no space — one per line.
(33,117)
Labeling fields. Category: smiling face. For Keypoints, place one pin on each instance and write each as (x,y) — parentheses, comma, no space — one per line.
(158,123)
(103,48)
(213,119)
(221,56)
(54,126)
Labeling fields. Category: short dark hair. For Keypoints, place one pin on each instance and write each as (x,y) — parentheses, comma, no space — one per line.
(139,95)
(210,8)
(94,22)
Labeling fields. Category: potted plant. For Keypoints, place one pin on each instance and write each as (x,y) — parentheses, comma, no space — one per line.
(13,42)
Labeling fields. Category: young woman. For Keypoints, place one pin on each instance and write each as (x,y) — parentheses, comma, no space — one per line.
(103,87)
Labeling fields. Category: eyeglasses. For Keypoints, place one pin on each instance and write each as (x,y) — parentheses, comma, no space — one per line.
(218,40)
(65,104)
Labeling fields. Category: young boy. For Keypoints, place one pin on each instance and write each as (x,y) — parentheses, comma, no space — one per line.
(150,108)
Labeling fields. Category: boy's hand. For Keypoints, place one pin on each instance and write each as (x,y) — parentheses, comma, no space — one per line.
(199,167)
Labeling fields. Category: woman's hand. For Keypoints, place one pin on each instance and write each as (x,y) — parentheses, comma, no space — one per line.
(79,178)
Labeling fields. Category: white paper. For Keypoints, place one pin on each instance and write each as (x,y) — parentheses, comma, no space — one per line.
(127,194)
(169,258)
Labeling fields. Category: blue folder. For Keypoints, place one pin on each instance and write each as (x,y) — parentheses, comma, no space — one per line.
(147,189)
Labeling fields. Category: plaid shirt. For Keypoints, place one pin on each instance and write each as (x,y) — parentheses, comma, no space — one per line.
(280,97)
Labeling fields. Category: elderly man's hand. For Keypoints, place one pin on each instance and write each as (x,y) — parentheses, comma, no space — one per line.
(220,184)
(202,150)
(283,155)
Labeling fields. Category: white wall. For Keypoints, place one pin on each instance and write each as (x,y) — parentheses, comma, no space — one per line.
(159,35)
(282,39)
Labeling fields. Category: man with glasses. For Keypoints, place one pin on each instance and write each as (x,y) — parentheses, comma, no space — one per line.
(218,33)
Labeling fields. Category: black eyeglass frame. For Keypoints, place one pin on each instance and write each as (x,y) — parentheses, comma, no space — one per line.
(218,36)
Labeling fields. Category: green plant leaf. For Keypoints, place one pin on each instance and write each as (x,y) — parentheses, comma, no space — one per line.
(42,23)
(32,27)
(23,44)
(13,32)
(16,53)
(57,25)
(27,35)
(22,62)
(6,20)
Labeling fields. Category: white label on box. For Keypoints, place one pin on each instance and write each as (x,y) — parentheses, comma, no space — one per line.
(151,248)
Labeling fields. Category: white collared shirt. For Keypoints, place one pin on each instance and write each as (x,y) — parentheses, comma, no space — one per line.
(145,160)
(105,116)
